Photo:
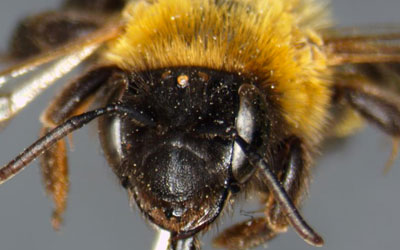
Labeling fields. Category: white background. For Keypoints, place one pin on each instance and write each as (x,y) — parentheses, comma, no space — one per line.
(352,204)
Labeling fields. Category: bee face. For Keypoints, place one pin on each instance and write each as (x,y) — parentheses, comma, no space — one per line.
(177,173)
(348,187)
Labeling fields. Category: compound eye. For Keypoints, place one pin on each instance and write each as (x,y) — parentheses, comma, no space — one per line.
(245,126)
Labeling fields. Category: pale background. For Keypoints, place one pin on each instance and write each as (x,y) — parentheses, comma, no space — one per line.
(352,204)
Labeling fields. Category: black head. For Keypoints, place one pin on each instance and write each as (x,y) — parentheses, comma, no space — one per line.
(179,172)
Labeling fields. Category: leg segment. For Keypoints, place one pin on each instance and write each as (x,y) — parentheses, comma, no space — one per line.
(74,99)
(375,105)
(96,5)
(46,31)
(246,234)
(54,168)
(52,29)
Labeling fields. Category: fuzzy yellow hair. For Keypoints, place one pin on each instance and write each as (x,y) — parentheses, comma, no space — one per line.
(274,40)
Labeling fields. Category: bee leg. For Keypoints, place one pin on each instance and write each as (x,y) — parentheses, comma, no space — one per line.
(49,30)
(74,99)
(292,177)
(96,5)
(246,234)
(54,168)
(375,105)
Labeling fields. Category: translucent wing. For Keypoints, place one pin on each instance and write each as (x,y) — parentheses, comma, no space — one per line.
(21,84)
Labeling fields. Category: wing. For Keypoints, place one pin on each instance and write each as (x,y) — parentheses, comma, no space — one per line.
(21,84)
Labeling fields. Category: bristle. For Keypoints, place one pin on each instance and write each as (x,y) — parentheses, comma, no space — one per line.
(273,40)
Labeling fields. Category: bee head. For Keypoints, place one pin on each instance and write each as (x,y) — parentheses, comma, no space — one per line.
(179,171)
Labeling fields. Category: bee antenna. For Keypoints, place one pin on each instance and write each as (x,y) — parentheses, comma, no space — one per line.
(70,125)
(280,195)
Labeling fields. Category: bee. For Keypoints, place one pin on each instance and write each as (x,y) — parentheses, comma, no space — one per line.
(197,105)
